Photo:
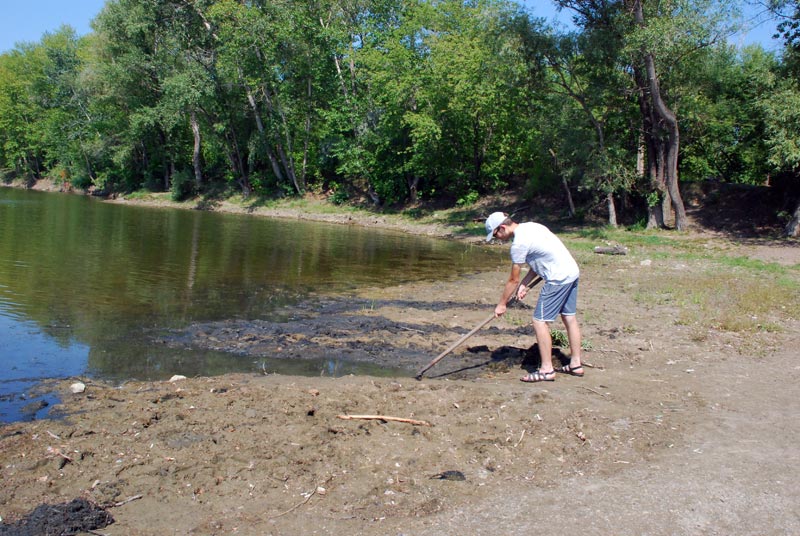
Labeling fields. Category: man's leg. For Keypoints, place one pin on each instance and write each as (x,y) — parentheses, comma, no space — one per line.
(545,341)
(574,337)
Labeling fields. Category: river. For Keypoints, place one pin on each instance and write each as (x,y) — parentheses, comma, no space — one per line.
(87,287)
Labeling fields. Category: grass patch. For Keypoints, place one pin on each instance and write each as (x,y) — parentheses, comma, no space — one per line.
(731,302)
(752,265)
(560,340)
(143,195)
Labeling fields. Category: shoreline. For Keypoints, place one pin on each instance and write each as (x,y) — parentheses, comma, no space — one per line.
(311,208)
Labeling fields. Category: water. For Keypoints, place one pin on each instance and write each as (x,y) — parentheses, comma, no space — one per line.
(84,285)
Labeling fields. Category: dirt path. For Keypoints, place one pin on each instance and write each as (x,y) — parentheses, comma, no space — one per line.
(732,473)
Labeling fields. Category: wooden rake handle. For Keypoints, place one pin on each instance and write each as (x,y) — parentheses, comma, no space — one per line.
(455,345)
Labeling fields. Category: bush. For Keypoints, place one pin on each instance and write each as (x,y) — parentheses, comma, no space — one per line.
(469,199)
(182,185)
(339,196)
(81,182)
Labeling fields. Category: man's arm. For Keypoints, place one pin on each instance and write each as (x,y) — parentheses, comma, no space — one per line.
(508,290)
(523,288)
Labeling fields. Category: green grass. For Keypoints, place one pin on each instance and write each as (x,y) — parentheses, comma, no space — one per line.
(560,340)
(141,195)
(732,301)
(698,281)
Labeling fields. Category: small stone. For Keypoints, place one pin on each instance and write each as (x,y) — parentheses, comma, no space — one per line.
(177,378)
(450,475)
(77,388)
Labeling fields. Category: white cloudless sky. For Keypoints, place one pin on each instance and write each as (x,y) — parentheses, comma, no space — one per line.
(28,20)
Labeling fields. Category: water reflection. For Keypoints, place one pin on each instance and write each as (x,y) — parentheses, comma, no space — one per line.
(84,285)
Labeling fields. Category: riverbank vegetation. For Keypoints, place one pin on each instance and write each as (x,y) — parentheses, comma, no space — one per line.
(394,103)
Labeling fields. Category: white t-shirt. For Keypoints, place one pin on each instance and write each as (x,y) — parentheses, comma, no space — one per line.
(537,246)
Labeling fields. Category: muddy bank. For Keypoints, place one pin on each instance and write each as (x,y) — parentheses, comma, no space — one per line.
(246,454)
(399,336)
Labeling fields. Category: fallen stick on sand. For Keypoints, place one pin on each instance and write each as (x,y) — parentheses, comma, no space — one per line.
(384,418)
(296,506)
(126,501)
(319,490)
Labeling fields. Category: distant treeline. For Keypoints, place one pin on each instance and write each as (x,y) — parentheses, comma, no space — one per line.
(405,100)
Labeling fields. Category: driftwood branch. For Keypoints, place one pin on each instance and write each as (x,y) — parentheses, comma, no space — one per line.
(384,418)
(611,250)
(126,501)
(595,392)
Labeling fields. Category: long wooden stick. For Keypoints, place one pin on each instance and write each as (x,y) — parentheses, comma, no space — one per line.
(454,346)
(530,284)
(385,418)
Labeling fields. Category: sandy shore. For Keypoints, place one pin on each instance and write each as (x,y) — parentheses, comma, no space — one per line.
(673,430)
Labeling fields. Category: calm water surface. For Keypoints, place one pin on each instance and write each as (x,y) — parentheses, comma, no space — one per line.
(86,285)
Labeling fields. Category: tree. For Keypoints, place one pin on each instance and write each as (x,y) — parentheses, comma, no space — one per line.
(20,114)
(68,127)
(783,137)
(653,34)
(447,119)
(271,51)
(782,108)
(583,68)
(723,125)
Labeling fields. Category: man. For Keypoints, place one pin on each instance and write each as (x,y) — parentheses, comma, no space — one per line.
(535,245)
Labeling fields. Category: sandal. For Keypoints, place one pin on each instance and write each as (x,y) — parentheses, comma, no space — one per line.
(539,376)
(573,371)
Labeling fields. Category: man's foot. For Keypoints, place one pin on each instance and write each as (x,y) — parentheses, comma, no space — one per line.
(539,376)
(569,369)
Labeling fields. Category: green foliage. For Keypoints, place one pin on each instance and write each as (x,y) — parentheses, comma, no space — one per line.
(782,108)
(469,199)
(559,338)
(445,101)
(181,186)
(724,125)
(339,196)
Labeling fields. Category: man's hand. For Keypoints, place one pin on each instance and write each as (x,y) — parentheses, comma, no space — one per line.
(522,292)
(499,310)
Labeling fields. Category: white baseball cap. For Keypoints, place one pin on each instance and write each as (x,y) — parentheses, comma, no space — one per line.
(492,223)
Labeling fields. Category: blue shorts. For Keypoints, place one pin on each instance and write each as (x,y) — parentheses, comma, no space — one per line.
(556,300)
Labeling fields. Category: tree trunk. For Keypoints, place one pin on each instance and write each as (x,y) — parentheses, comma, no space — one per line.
(88,167)
(168,159)
(306,139)
(276,169)
(793,227)
(286,160)
(413,186)
(237,163)
(198,169)
(612,210)
(557,167)
(654,154)
(373,195)
(668,118)
(170,175)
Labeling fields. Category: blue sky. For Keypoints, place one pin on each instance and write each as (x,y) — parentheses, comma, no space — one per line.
(28,20)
